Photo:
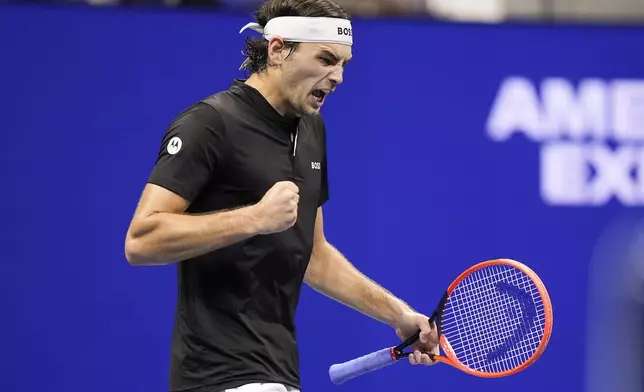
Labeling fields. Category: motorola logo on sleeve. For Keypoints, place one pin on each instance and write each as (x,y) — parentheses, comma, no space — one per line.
(174,146)
(591,136)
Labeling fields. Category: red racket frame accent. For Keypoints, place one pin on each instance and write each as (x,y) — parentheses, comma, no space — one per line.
(450,357)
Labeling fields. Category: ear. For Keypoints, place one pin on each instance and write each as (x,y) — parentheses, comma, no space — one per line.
(277,51)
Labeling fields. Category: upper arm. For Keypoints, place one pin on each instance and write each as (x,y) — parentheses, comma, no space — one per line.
(315,269)
(156,199)
(319,238)
(190,154)
(324,175)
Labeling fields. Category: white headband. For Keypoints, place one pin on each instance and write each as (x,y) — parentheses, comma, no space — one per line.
(306,29)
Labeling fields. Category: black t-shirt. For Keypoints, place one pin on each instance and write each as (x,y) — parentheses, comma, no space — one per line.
(235,316)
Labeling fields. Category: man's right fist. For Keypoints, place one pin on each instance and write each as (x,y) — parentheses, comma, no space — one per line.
(277,211)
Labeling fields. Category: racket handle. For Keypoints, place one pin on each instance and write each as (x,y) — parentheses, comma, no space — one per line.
(343,372)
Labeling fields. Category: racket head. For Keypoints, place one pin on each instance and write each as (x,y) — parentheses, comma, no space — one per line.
(497,319)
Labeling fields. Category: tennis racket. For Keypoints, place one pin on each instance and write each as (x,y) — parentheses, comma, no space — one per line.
(494,320)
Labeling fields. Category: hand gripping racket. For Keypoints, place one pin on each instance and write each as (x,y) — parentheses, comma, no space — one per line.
(494,320)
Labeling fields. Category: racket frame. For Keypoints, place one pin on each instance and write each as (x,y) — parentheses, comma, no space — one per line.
(398,353)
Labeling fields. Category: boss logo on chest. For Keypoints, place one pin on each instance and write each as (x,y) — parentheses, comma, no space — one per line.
(315,165)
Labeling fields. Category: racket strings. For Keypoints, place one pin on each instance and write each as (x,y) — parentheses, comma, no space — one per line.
(494,319)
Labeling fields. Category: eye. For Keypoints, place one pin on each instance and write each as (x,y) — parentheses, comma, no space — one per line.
(326,61)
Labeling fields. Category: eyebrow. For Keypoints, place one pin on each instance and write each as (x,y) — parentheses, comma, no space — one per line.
(334,56)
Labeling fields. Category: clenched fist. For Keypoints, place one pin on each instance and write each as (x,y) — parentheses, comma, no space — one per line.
(277,211)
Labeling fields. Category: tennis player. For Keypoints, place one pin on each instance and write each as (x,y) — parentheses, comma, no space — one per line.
(235,199)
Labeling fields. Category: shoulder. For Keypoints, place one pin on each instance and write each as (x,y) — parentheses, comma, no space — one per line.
(203,118)
(214,108)
(228,103)
(316,125)
(314,122)
(197,114)
(199,127)
(318,121)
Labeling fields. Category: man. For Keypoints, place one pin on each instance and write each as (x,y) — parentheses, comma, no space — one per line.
(235,198)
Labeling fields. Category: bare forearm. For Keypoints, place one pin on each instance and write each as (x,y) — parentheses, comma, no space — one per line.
(164,238)
(333,275)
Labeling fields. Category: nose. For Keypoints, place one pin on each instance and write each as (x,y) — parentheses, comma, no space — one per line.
(336,76)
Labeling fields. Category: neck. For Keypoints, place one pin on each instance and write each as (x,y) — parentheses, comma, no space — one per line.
(269,88)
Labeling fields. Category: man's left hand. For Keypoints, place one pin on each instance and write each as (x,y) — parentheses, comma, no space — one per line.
(408,324)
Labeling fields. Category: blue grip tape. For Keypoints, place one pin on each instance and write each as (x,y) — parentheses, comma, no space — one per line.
(342,372)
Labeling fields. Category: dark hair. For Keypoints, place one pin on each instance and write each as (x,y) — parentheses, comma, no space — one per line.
(256,49)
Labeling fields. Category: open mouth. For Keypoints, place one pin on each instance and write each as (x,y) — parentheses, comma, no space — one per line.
(320,95)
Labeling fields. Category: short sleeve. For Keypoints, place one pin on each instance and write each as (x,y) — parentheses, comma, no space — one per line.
(324,178)
(191,152)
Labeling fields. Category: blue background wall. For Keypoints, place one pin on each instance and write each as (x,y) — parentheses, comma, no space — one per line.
(419,190)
